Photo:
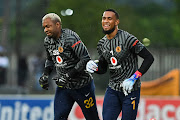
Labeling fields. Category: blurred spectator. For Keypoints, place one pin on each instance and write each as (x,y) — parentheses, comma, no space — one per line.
(38,66)
(4,63)
(22,71)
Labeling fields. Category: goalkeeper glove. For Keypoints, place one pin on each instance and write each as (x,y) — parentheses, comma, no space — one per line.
(60,82)
(43,81)
(92,66)
(128,83)
(63,80)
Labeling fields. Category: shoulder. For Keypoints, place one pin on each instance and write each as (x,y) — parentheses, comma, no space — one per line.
(123,33)
(101,43)
(126,36)
(102,40)
(70,38)
(69,34)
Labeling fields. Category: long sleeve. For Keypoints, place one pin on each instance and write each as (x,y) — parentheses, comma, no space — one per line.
(147,62)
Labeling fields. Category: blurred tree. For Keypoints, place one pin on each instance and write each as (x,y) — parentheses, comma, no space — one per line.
(149,20)
(31,28)
(5,24)
(155,23)
(86,19)
(176,22)
(18,24)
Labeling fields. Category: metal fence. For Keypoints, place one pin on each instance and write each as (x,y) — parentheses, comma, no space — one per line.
(165,60)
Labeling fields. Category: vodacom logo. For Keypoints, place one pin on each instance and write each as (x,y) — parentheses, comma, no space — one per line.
(59,59)
(113,61)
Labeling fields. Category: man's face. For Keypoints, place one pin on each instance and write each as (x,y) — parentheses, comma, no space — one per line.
(109,22)
(51,28)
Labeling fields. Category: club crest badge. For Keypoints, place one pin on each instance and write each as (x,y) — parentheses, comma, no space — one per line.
(55,52)
(60,49)
(113,61)
(118,49)
(59,59)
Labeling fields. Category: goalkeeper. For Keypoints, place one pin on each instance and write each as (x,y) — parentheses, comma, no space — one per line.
(67,53)
(118,50)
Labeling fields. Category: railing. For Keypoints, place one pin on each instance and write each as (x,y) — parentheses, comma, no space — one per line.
(165,60)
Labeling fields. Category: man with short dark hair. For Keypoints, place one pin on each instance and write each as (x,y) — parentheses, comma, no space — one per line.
(118,50)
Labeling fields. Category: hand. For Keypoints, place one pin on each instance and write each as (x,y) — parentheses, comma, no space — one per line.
(91,66)
(61,82)
(124,91)
(128,83)
(43,81)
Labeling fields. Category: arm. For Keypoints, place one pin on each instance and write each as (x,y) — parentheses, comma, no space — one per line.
(43,81)
(81,52)
(137,48)
(147,62)
(49,65)
(102,66)
(97,66)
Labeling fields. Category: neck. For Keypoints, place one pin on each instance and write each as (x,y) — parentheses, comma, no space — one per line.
(113,34)
(59,34)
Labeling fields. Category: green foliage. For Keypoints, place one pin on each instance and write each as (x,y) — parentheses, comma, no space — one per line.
(31,32)
(151,21)
(86,19)
(0,20)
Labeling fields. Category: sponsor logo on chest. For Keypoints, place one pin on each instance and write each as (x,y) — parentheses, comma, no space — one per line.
(58,57)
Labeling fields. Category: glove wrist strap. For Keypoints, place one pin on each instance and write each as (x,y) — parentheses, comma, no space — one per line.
(137,75)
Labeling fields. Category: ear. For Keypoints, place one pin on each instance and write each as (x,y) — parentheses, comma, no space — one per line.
(58,24)
(117,22)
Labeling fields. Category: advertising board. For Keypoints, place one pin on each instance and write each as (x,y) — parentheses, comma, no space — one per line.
(42,108)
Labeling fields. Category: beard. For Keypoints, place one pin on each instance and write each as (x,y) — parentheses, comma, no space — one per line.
(52,35)
(49,36)
(109,31)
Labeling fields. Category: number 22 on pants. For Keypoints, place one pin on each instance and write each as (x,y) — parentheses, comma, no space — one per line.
(88,102)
